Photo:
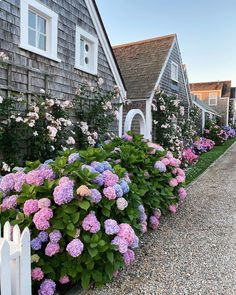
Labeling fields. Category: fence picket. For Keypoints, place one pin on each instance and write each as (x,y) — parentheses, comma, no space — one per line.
(25,266)
(5,269)
(15,261)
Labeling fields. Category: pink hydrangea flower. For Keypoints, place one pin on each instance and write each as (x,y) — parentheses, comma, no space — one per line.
(19,179)
(165,161)
(42,217)
(109,193)
(157,213)
(44,203)
(180,179)
(173,182)
(90,223)
(182,193)
(127,233)
(129,257)
(30,207)
(52,249)
(127,137)
(75,248)
(109,178)
(173,208)
(180,172)
(143,227)
(174,162)
(64,280)
(37,274)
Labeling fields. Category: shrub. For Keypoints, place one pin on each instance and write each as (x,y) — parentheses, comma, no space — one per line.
(230,131)
(203,145)
(189,157)
(215,133)
(85,213)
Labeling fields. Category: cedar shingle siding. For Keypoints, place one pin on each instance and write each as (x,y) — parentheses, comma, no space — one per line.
(166,83)
(64,77)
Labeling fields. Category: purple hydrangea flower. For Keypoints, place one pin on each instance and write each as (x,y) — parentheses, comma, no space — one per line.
(160,166)
(111,227)
(135,243)
(129,257)
(90,168)
(95,196)
(73,157)
(7,183)
(75,248)
(30,207)
(107,166)
(121,243)
(43,236)
(19,179)
(36,243)
(55,236)
(109,193)
(63,193)
(48,287)
(98,180)
(9,203)
(110,178)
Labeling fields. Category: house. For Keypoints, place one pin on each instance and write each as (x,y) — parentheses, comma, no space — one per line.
(232,106)
(57,46)
(206,113)
(216,95)
(146,66)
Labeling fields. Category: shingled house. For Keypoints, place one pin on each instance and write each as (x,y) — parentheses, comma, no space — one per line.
(146,66)
(55,45)
(216,95)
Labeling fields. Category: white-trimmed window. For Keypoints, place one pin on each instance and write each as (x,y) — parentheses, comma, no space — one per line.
(86,51)
(39,26)
(174,71)
(212,98)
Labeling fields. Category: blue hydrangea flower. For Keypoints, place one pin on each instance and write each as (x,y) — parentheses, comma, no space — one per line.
(36,244)
(43,236)
(99,167)
(119,191)
(124,186)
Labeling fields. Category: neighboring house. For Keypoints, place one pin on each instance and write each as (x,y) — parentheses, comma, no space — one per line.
(216,95)
(146,66)
(55,45)
(206,112)
(232,106)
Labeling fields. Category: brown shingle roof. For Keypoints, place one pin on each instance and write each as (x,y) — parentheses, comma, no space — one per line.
(141,63)
(224,86)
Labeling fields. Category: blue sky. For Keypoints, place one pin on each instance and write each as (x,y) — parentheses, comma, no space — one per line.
(206,31)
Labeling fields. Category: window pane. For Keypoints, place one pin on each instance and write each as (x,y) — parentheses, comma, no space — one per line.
(32,37)
(81,52)
(41,41)
(41,25)
(32,20)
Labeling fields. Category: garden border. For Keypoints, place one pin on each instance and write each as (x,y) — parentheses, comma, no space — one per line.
(208,168)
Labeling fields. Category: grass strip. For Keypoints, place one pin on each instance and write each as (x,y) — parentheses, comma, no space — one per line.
(206,159)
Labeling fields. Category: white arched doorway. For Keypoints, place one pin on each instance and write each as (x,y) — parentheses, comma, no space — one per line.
(135,116)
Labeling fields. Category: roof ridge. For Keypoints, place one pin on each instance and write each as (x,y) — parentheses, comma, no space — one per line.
(219,81)
(144,41)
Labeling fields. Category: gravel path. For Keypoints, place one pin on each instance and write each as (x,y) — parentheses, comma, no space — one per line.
(194,252)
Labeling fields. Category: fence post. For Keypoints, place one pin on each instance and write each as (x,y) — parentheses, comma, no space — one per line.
(6,271)
(16,263)
(25,263)
(7,231)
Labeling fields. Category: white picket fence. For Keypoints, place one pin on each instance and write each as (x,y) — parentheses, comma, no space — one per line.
(15,261)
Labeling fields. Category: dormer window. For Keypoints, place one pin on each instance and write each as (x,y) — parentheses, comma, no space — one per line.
(174,72)
(38,25)
(212,99)
(86,52)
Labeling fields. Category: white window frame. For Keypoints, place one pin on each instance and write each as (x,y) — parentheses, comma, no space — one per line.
(82,34)
(173,77)
(213,95)
(51,28)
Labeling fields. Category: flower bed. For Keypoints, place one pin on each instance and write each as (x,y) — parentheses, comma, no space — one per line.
(203,145)
(86,209)
(216,133)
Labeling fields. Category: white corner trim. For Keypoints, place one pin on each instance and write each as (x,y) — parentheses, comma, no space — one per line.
(142,122)
(52,22)
(105,46)
(120,133)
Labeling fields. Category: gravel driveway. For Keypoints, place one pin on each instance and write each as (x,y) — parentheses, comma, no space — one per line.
(194,252)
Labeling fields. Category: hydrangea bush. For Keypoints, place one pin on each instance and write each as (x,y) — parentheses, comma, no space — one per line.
(215,133)
(203,145)
(86,209)
(230,131)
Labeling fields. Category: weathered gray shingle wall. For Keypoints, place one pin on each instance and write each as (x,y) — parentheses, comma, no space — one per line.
(166,83)
(65,78)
